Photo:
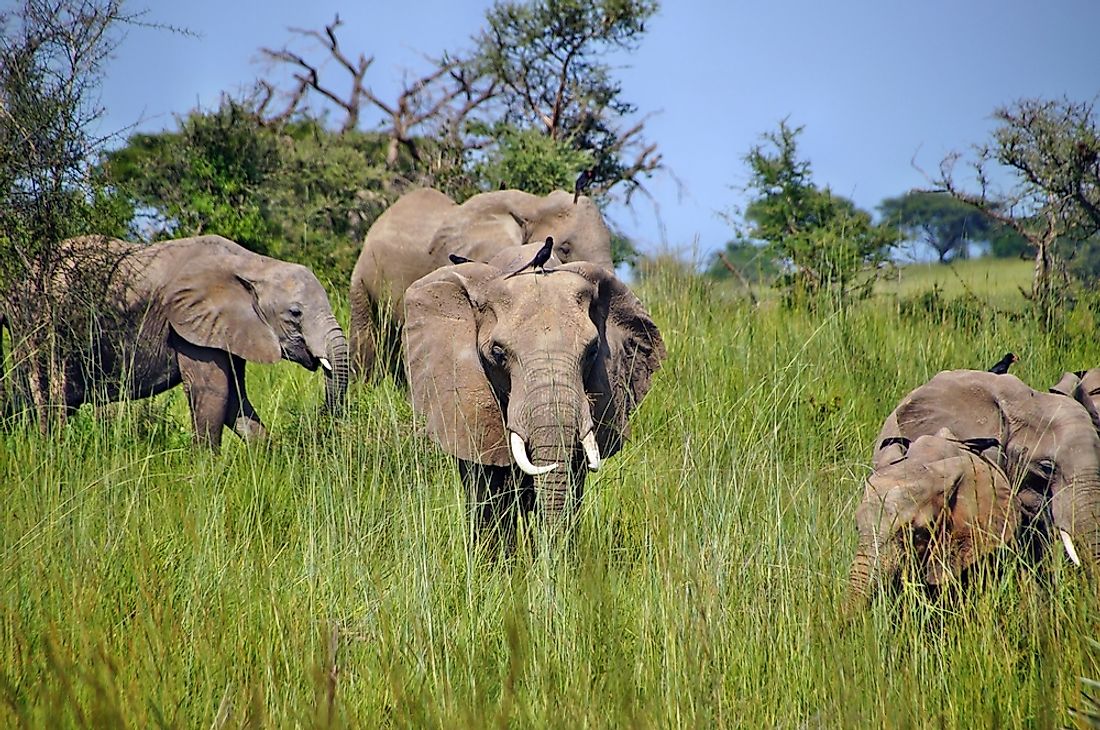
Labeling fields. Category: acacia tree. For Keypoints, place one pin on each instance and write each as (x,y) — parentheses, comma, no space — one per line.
(823,242)
(945,224)
(52,54)
(1051,152)
(549,58)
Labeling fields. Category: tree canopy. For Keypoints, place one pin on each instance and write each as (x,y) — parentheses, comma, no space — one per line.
(945,224)
(822,241)
(303,171)
(1050,149)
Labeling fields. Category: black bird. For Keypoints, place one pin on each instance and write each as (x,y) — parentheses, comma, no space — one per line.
(456,259)
(1004,364)
(540,259)
(583,181)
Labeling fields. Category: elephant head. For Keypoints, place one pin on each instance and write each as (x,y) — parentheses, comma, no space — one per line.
(486,223)
(937,502)
(1047,444)
(537,370)
(223,296)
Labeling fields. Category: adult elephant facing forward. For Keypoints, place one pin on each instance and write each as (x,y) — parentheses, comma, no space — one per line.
(528,380)
(193,311)
(416,235)
(1045,443)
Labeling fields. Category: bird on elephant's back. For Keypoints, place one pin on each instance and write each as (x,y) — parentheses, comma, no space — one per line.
(421,231)
(527,379)
(194,311)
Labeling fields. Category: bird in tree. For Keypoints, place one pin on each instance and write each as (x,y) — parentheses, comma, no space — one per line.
(540,259)
(1001,366)
(456,259)
(583,181)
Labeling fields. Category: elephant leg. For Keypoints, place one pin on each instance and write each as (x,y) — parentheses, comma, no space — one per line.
(207,379)
(493,503)
(239,413)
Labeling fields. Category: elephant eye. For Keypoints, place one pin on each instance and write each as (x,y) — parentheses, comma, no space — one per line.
(565,249)
(497,354)
(295,311)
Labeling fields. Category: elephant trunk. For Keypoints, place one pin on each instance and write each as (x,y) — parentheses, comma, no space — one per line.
(331,349)
(876,562)
(552,420)
(1079,516)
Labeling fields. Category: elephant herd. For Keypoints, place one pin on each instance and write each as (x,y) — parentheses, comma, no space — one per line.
(528,376)
(527,379)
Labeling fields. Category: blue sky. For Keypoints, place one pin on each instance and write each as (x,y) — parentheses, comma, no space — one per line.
(876,83)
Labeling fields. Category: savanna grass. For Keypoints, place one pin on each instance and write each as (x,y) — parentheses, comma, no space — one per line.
(328,578)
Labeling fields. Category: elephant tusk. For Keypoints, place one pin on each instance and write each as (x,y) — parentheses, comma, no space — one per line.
(519,453)
(591,450)
(325,364)
(1071,551)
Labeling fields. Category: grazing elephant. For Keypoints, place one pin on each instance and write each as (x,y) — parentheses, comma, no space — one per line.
(528,380)
(1045,443)
(933,500)
(415,236)
(194,310)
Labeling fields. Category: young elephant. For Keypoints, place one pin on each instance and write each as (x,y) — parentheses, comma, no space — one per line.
(1046,443)
(938,499)
(194,310)
(528,379)
(417,235)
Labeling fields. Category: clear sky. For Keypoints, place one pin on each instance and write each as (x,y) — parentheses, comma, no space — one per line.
(876,83)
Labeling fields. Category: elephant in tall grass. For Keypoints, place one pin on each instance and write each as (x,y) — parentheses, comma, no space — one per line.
(418,233)
(936,502)
(194,311)
(529,380)
(1046,444)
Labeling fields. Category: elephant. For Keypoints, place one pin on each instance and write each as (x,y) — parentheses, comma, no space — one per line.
(1045,443)
(528,380)
(417,234)
(194,311)
(934,501)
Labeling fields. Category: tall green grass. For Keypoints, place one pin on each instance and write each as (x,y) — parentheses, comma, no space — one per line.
(328,578)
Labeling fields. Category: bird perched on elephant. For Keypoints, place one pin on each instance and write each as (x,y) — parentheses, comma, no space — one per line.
(194,311)
(1045,443)
(935,502)
(528,380)
(424,228)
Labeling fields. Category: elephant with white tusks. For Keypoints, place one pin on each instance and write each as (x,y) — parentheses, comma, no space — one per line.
(527,379)
(1045,443)
(418,234)
(194,311)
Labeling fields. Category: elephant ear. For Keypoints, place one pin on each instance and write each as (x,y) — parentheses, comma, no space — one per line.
(445,373)
(980,515)
(1073,386)
(630,352)
(211,305)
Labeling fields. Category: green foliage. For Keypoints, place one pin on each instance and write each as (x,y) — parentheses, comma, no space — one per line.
(205,178)
(1052,150)
(826,245)
(297,190)
(327,579)
(751,259)
(549,57)
(526,159)
(324,193)
(948,225)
